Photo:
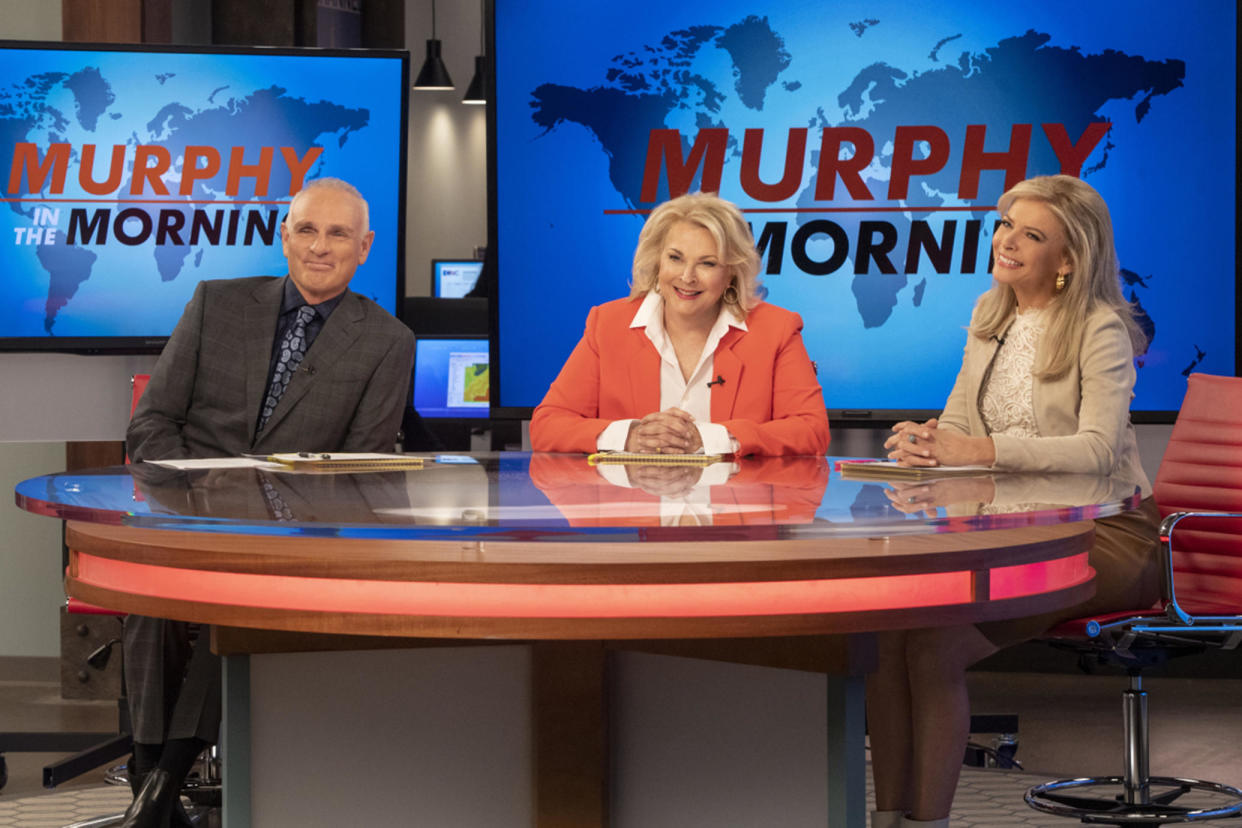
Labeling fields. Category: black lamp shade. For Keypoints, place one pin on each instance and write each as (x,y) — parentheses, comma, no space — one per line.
(475,93)
(434,74)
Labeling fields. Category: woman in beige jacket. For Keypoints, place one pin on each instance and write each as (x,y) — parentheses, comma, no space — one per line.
(1045,386)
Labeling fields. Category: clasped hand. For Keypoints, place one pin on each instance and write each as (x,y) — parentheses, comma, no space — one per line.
(950,491)
(664,481)
(923,444)
(671,431)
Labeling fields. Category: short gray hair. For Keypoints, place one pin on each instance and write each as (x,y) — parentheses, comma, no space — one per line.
(341,185)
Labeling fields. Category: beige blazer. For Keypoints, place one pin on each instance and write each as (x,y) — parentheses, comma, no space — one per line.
(1083,417)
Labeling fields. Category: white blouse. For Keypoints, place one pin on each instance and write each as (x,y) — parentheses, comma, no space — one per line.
(691,395)
(1008,405)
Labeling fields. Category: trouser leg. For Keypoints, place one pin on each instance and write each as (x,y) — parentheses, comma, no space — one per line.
(197,711)
(156,651)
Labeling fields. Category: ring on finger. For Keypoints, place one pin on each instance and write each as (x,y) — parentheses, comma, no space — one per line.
(912,438)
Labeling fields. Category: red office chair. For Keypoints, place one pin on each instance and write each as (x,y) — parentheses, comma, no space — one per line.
(90,749)
(1199,489)
(202,786)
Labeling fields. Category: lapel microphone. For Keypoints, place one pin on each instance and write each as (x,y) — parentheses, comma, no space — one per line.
(719,380)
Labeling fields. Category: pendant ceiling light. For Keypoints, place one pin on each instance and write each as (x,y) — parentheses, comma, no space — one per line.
(476,91)
(434,75)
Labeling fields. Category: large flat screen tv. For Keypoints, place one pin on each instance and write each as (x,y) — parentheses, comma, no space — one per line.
(131,173)
(868,145)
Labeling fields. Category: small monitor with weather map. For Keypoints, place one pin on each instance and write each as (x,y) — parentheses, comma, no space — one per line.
(451,377)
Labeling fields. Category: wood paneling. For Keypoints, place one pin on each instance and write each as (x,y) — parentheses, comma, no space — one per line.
(101,21)
(157,21)
(82,454)
(383,24)
(254,22)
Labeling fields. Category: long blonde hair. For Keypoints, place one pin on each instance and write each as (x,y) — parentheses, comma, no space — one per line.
(733,239)
(1093,281)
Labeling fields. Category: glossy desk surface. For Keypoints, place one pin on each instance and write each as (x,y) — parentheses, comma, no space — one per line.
(525,546)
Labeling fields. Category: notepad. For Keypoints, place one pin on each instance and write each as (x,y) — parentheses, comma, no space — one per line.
(338,461)
(645,459)
(890,470)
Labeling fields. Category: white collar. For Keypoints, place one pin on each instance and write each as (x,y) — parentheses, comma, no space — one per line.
(650,315)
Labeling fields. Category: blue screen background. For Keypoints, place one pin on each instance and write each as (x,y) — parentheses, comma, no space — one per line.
(578,95)
(351,107)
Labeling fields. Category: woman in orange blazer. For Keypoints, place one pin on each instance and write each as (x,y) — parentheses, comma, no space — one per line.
(693,360)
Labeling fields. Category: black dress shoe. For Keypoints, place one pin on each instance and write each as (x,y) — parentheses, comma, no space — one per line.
(153,806)
(180,819)
(135,777)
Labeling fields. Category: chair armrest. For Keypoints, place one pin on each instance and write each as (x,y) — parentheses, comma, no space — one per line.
(82,608)
(1167,526)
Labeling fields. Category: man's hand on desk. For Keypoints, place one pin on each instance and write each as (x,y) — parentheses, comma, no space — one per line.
(951,491)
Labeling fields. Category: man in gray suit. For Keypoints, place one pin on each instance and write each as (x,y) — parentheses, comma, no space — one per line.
(256,365)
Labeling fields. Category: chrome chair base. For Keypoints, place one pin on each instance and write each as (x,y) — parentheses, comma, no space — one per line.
(201,817)
(117,775)
(98,822)
(1101,800)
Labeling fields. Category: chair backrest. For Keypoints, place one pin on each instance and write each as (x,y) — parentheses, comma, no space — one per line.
(137,384)
(1202,471)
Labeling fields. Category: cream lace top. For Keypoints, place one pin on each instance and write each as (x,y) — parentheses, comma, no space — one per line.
(1008,407)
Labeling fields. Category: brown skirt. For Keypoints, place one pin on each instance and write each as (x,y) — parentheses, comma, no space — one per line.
(1127,575)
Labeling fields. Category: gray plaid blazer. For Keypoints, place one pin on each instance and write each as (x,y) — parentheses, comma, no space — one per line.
(204,395)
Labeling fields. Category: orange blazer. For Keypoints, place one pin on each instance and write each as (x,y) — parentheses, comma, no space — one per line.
(770,400)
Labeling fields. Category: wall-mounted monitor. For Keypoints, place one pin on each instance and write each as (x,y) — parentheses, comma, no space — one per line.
(451,377)
(868,145)
(454,278)
(131,173)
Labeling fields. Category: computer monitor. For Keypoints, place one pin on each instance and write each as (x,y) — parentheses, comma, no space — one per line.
(132,173)
(454,278)
(451,377)
(868,152)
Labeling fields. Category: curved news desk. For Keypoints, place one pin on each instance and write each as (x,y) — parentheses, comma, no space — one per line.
(772,561)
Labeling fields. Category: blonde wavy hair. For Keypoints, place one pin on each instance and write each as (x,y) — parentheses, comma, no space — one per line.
(733,239)
(1093,281)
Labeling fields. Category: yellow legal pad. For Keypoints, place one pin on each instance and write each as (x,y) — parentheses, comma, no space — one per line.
(610,458)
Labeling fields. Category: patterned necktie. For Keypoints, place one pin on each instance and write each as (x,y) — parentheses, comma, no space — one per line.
(276,505)
(292,349)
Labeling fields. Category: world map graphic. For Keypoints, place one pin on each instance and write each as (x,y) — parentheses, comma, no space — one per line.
(85,107)
(650,86)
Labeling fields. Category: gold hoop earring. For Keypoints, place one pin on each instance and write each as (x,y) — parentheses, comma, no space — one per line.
(1060,283)
(730,294)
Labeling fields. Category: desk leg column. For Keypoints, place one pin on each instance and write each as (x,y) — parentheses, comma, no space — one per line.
(569,696)
(235,742)
(847,753)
